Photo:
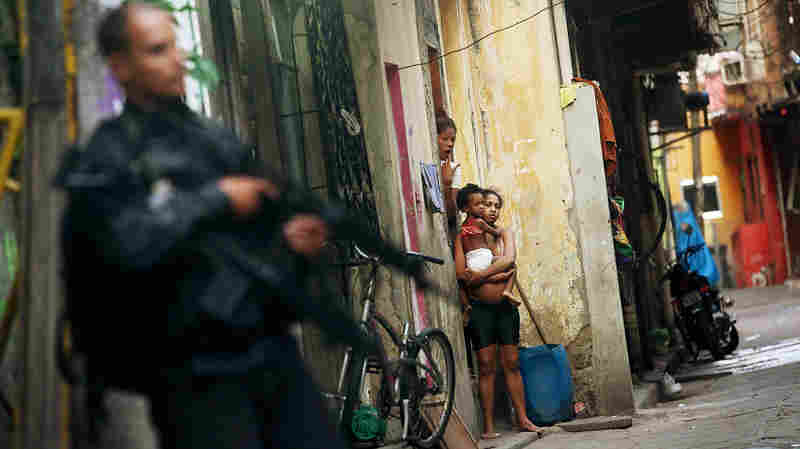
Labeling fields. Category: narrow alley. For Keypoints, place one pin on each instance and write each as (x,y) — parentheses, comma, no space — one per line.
(749,400)
(353,224)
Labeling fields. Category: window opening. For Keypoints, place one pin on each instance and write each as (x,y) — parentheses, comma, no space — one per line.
(712,209)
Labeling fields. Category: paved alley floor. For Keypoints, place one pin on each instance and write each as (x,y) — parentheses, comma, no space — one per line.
(766,315)
(756,405)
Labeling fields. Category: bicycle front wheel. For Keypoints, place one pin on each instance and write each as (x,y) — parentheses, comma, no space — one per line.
(364,368)
(434,375)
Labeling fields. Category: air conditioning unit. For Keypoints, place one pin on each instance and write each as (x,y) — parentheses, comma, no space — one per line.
(734,70)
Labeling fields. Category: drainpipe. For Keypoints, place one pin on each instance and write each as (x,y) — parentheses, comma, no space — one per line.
(697,160)
(669,315)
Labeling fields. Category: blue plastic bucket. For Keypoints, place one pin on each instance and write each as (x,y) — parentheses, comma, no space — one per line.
(548,384)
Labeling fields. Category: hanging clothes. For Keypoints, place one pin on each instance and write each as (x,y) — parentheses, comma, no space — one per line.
(608,139)
(608,143)
(433,187)
(622,246)
(701,262)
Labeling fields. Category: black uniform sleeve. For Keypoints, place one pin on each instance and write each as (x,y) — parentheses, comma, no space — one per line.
(131,226)
(134,234)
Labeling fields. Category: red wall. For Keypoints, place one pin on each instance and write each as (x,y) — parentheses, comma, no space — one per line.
(752,239)
(412,220)
(751,251)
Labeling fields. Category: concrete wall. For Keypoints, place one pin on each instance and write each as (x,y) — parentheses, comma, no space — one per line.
(504,94)
(589,218)
(504,97)
(380,33)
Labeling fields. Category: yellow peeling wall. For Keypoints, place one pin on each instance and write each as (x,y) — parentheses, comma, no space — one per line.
(716,161)
(504,97)
(379,33)
(722,162)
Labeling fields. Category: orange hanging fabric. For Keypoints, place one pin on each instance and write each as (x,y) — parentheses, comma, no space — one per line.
(608,140)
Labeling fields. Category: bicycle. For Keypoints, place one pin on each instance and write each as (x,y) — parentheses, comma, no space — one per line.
(421,382)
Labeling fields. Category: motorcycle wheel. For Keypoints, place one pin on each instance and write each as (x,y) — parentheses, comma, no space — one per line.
(710,334)
(688,342)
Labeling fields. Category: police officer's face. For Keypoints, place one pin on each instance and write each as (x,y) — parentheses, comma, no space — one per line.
(153,66)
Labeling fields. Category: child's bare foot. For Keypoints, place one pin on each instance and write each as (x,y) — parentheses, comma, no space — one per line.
(512,299)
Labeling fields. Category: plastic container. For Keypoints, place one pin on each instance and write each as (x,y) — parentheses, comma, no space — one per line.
(548,383)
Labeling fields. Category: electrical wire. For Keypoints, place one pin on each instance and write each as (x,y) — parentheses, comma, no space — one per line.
(532,16)
(485,36)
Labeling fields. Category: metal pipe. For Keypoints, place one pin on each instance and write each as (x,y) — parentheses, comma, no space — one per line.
(697,159)
(364,364)
(343,372)
(781,206)
(405,419)
(674,141)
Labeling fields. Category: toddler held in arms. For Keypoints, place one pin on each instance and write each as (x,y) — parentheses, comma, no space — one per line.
(472,201)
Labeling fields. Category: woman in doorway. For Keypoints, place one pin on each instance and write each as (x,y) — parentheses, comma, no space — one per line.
(450,171)
(494,322)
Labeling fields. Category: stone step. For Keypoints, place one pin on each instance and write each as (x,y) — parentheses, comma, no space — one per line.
(597,423)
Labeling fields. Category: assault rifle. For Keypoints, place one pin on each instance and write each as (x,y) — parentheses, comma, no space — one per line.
(289,285)
(283,274)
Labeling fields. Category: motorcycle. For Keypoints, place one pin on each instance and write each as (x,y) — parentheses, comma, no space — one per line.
(701,313)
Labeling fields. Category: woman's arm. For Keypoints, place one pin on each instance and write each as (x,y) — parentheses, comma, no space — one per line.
(501,264)
(509,246)
(461,274)
(450,190)
(460,259)
(450,204)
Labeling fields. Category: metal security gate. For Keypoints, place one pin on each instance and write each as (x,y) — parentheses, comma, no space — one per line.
(340,119)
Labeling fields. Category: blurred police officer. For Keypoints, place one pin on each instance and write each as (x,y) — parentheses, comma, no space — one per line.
(215,380)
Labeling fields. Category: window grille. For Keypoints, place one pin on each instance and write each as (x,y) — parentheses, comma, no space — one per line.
(334,83)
